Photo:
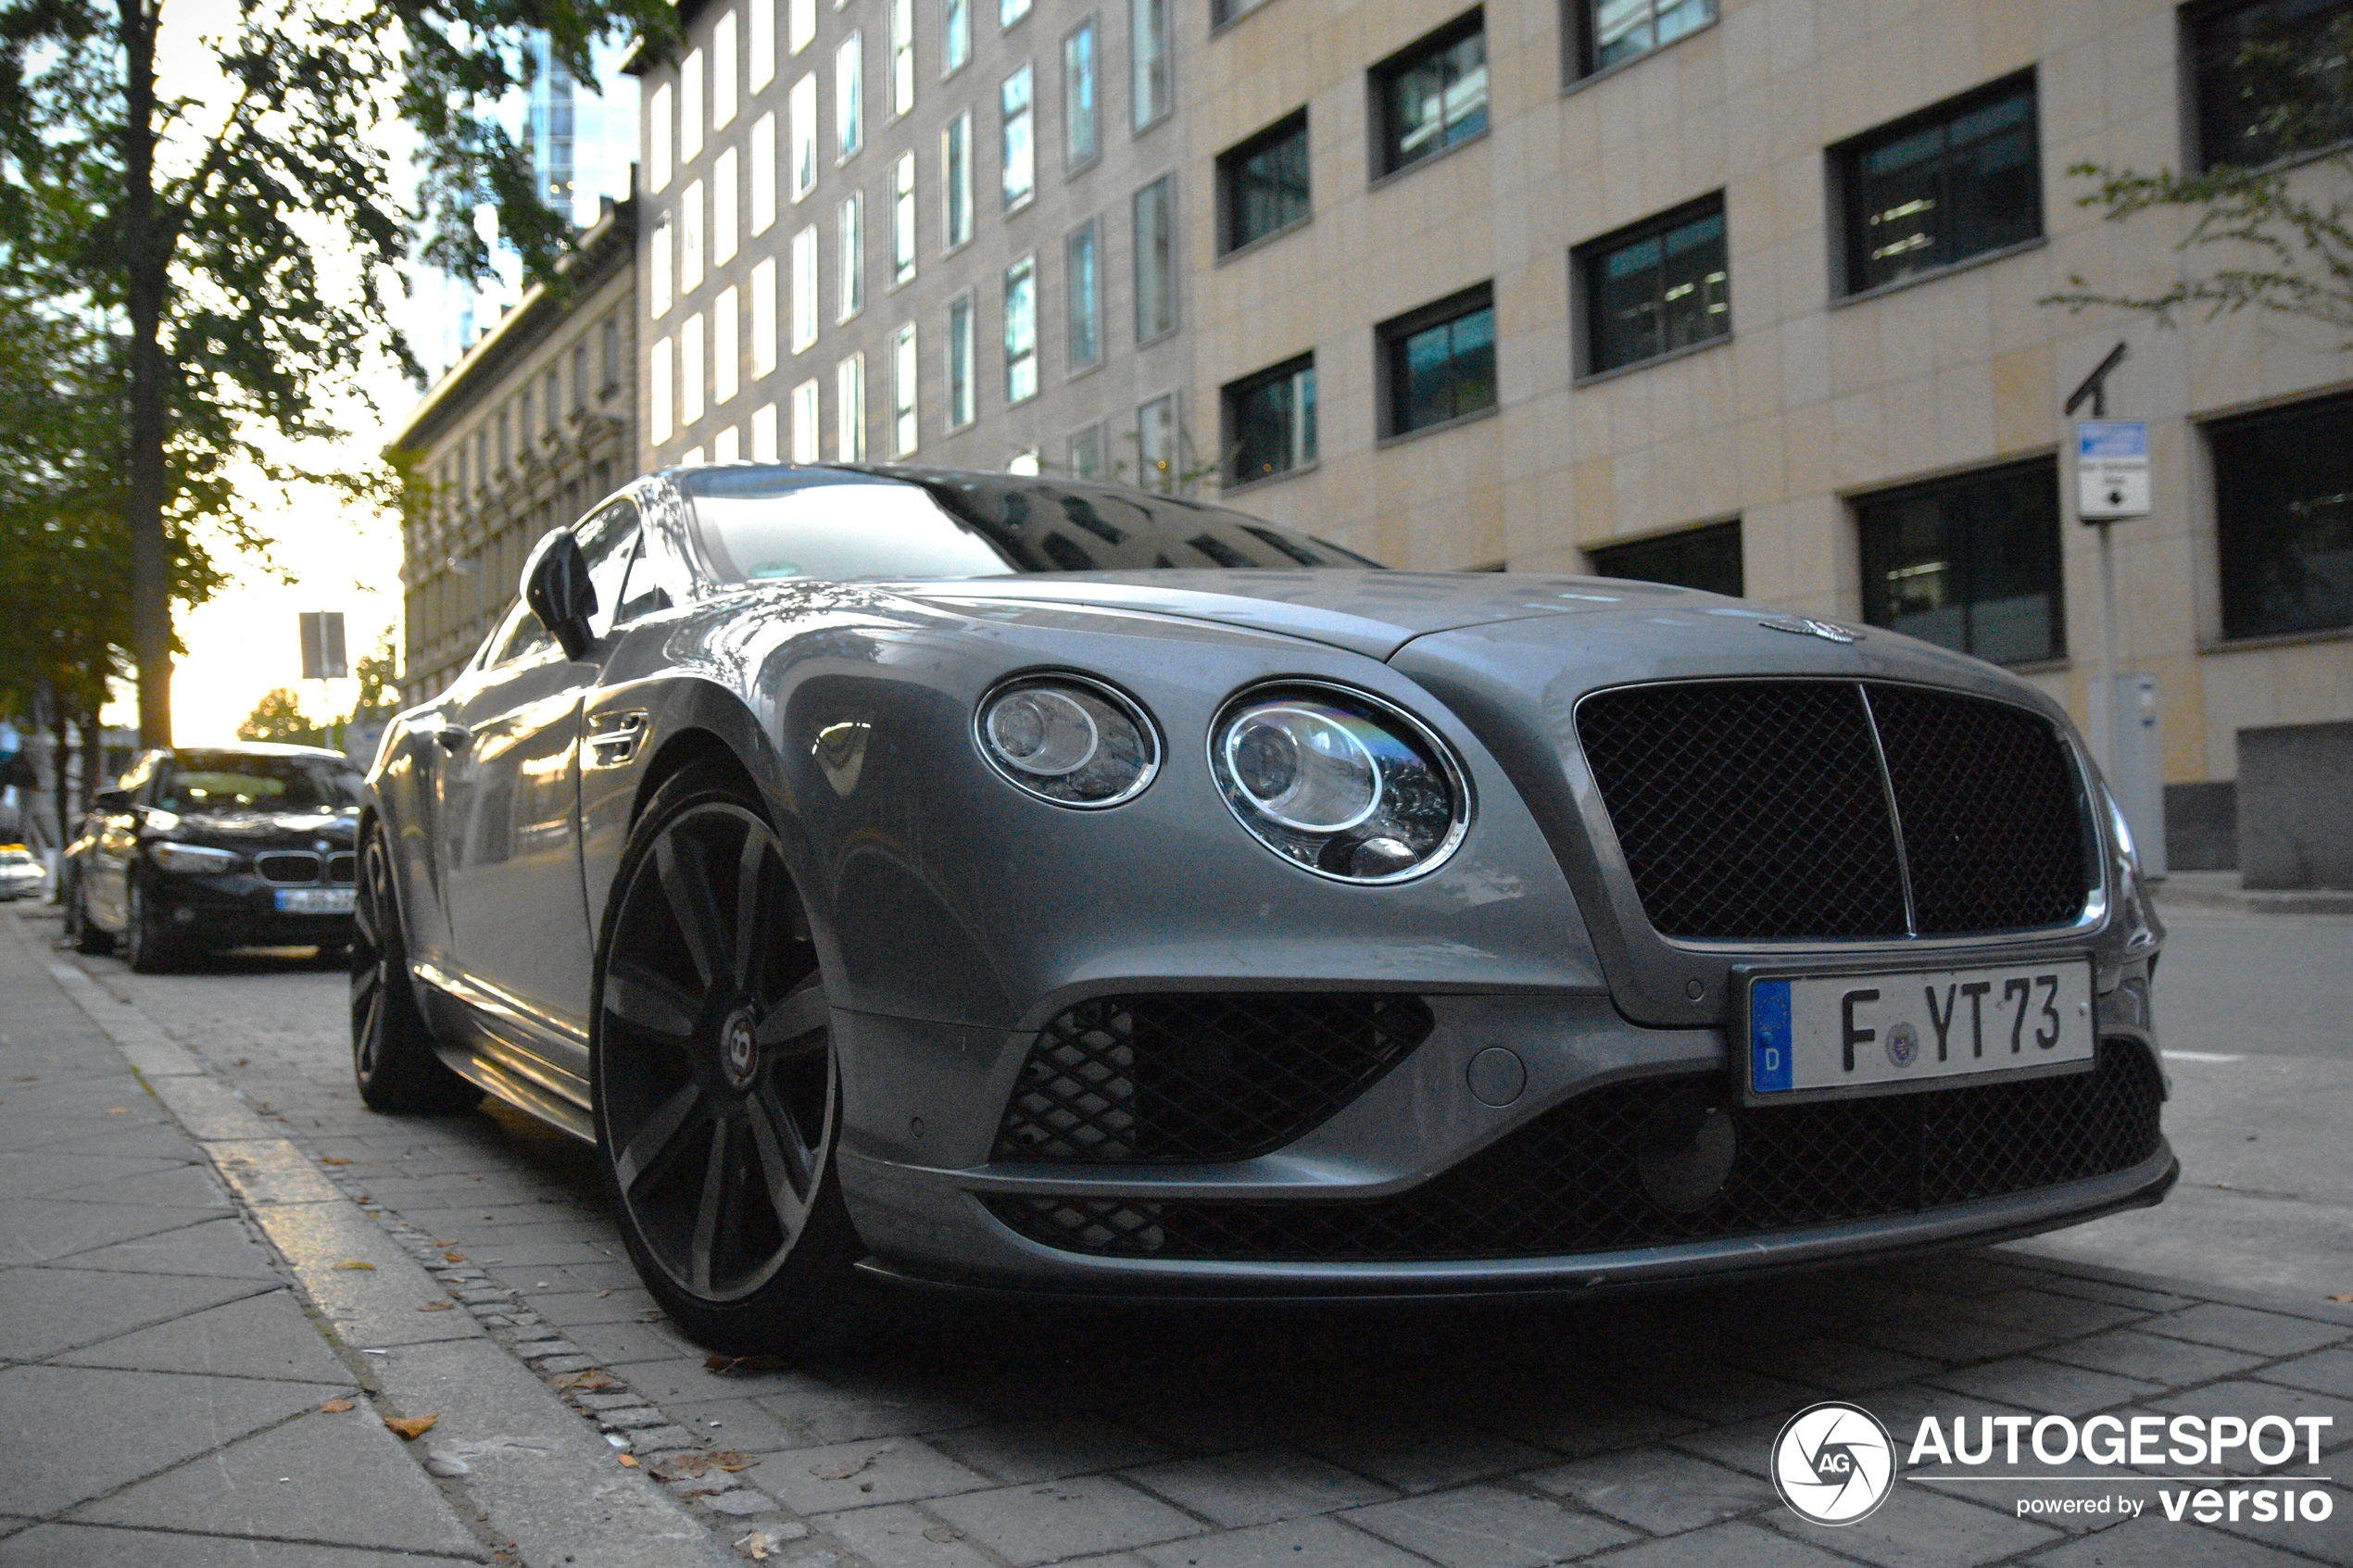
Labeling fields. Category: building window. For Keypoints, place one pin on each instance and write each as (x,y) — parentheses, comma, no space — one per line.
(804,421)
(1261,184)
(1706,559)
(1148,60)
(902,58)
(723,71)
(1156,446)
(1970,563)
(1959,181)
(657,288)
(851,231)
(725,447)
(1087,453)
(1433,94)
(690,238)
(956,34)
(763,317)
(849,96)
(1021,330)
(723,207)
(2271,80)
(1224,11)
(1020,146)
(961,388)
(1613,32)
(1439,361)
(902,218)
(690,107)
(658,123)
(1655,288)
(1156,259)
(804,288)
(759,42)
(802,113)
(506,440)
(903,369)
(956,177)
(1009,12)
(726,345)
(580,375)
(1079,110)
(763,173)
(850,410)
(763,433)
(690,377)
(1083,284)
(2284,518)
(660,398)
(611,355)
(1270,421)
(801,26)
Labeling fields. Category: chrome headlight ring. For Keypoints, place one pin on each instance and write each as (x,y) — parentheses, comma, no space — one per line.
(1069,740)
(1339,782)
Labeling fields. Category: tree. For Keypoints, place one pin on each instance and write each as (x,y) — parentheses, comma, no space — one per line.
(279,717)
(2283,227)
(379,682)
(239,227)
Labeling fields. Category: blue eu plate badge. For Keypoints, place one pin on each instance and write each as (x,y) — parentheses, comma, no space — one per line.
(1769,1039)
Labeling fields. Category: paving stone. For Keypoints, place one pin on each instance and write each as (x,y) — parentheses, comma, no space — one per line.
(1919,1528)
(220,1247)
(741,1502)
(71,1546)
(2048,1387)
(1839,1366)
(537,1348)
(103,1427)
(1736,1545)
(2156,1541)
(42,1230)
(264,1336)
(1489,1528)
(50,1310)
(1660,1491)
(819,1412)
(1044,1451)
(1952,1338)
(1415,1456)
(2325,1372)
(1259,1486)
(2122,1295)
(900,1536)
(554,1364)
(2243,1328)
(1325,1543)
(896,1470)
(1057,1519)
(1580,1421)
(2151,1357)
(1715,1394)
(659,1439)
(633,1418)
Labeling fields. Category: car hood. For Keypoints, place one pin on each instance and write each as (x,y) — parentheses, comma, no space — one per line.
(252,830)
(1375,613)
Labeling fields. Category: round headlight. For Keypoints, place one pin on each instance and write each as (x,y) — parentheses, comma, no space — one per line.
(1067,739)
(1339,783)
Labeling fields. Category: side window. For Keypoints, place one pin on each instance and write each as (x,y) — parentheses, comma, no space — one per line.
(645,593)
(519,635)
(608,541)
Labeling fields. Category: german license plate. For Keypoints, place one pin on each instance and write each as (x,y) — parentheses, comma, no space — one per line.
(1815,1036)
(315,900)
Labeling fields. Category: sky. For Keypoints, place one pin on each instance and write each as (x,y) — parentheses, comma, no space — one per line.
(337,555)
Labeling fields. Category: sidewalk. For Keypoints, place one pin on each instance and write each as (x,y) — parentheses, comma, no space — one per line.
(2186,891)
(202,1342)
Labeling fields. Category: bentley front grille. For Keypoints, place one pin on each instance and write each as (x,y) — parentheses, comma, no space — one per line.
(1795,809)
(1200,1077)
(1572,1180)
(288,868)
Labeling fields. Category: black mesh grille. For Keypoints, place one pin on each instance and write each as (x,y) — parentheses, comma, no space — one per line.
(1757,809)
(290,867)
(1989,803)
(1569,1183)
(1200,1077)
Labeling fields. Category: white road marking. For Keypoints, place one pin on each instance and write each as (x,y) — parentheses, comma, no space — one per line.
(2199,1056)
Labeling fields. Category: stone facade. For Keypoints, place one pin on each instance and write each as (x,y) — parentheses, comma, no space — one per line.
(532,427)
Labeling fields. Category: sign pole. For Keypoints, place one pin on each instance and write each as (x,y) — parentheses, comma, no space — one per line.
(2105,713)
(2111,481)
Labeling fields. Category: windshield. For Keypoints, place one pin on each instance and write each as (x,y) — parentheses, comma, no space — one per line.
(239,781)
(764,524)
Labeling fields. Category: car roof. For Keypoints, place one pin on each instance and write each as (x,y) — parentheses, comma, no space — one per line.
(263,748)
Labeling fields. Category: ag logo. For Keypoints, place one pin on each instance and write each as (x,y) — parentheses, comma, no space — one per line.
(1833,1463)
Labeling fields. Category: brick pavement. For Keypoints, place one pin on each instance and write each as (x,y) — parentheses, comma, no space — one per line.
(1633,1432)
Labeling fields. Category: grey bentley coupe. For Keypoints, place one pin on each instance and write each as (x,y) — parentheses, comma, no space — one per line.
(1010,883)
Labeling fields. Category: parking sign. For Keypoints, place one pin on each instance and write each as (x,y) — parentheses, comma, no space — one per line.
(2111,469)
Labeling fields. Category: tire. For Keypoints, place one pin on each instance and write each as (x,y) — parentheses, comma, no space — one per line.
(86,938)
(717,1092)
(392,1052)
(148,948)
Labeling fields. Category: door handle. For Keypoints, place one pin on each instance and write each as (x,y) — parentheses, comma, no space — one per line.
(453,737)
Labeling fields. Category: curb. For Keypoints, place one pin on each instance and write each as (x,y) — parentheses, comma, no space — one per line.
(539,1478)
(2175,892)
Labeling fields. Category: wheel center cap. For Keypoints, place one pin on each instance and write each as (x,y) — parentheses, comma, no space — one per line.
(739,1049)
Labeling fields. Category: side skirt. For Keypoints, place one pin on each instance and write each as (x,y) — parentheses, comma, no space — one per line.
(533,1099)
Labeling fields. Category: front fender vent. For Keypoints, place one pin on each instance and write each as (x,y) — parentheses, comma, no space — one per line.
(1200,1077)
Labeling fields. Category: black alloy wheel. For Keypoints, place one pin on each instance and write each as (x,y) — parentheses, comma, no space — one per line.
(148,948)
(717,1095)
(392,1050)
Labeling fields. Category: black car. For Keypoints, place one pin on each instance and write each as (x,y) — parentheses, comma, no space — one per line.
(206,847)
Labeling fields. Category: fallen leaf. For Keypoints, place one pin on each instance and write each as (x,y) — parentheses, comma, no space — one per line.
(730,1461)
(356,1263)
(602,1294)
(436,1306)
(629,1459)
(411,1427)
(455,1256)
(335,1407)
(119,1110)
(244,1062)
(333,1160)
(440,1242)
(843,1469)
(27,1078)
(754,1546)
(592,1379)
(2346,1296)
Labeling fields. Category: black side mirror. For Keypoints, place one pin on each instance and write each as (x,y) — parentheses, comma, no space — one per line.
(556,586)
(112,801)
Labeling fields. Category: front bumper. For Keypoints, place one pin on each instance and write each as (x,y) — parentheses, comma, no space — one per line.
(237,910)
(938,1204)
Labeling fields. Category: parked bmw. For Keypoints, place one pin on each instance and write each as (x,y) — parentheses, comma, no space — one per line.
(206,847)
(978,881)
